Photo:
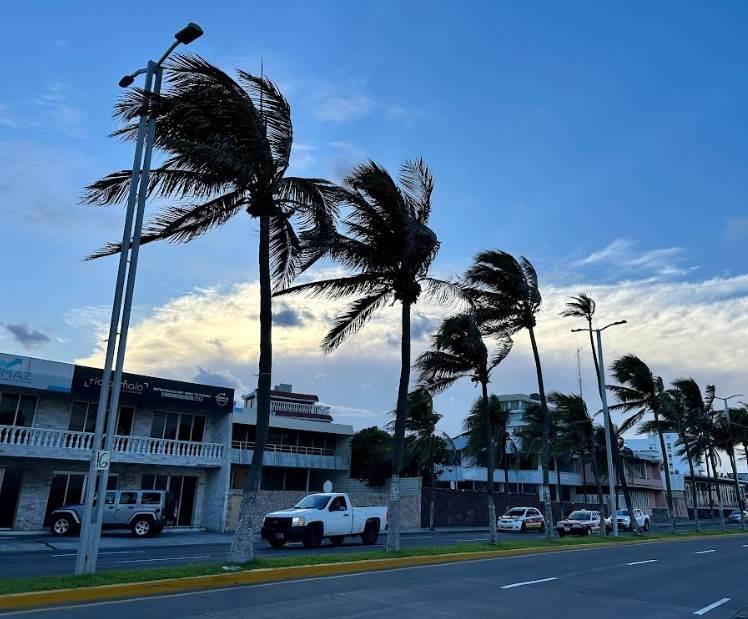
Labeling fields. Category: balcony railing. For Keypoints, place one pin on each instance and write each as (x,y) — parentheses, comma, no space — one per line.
(51,438)
(295,408)
(289,449)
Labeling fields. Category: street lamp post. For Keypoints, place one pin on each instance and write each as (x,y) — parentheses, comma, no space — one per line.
(733,463)
(606,414)
(108,405)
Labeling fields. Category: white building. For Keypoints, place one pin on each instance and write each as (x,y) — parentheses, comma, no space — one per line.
(678,465)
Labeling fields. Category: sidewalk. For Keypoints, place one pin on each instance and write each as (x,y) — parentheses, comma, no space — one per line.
(41,541)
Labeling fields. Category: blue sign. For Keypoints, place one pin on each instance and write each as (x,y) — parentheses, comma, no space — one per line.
(20,371)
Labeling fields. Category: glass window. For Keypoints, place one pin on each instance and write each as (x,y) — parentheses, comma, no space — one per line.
(185,427)
(109,498)
(150,498)
(157,425)
(124,421)
(26,410)
(77,416)
(8,406)
(198,428)
(313,501)
(128,498)
(170,429)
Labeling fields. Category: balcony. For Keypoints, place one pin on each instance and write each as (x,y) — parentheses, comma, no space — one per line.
(21,441)
(289,455)
(304,411)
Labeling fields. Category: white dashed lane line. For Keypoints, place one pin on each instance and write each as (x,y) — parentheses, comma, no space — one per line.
(704,552)
(529,582)
(643,562)
(706,609)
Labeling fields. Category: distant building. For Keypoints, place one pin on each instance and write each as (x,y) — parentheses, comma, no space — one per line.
(677,464)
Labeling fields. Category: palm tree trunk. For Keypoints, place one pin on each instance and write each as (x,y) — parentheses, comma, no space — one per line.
(583,456)
(517,489)
(733,465)
(596,475)
(545,453)
(242,543)
(694,493)
(634,525)
(709,485)
(558,480)
(492,538)
(506,471)
(719,491)
(393,535)
(431,473)
(668,486)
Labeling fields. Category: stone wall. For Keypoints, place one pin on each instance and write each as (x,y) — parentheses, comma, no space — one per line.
(270,501)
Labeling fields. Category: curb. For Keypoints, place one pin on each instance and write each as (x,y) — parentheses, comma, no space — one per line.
(58,597)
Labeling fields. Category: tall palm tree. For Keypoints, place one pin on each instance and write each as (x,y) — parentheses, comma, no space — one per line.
(506,294)
(459,351)
(531,439)
(388,248)
(640,392)
(724,437)
(227,144)
(421,423)
(475,427)
(584,306)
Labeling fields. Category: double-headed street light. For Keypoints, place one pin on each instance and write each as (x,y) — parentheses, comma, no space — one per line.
(108,406)
(738,496)
(606,413)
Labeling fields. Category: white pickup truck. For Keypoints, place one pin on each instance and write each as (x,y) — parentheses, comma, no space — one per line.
(324,515)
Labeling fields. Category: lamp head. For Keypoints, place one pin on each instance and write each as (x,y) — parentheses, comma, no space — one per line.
(189,33)
(126,81)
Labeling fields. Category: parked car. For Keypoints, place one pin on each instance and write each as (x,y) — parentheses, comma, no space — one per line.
(521,519)
(579,522)
(734,516)
(324,515)
(624,520)
(144,512)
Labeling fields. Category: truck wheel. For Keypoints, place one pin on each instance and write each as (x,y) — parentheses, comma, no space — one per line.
(142,527)
(561,533)
(61,526)
(370,534)
(588,532)
(277,543)
(313,537)
(336,540)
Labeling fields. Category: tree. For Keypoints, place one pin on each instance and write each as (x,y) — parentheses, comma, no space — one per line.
(640,392)
(724,437)
(576,434)
(474,426)
(389,249)
(506,294)
(459,351)
(420,424)
(371,455)
(531,439)
(583,306)
(227,144)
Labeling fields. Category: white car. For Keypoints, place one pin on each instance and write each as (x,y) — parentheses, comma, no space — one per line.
(521,519)
(624,520)
(324,515)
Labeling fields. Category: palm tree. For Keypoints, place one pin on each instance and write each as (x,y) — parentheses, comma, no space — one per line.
(576,433)
(459,351)
(421,423)
(584,306)
(506,294)
(724,437)
(228,144)
(475,425)
(389,248)
(640,392)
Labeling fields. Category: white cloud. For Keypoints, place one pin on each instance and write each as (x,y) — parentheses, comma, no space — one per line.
(621,257)
(735,229)
(344,108)
(302,157)
(51,109)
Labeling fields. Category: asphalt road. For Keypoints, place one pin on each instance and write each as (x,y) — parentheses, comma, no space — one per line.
(657,581)
(176,552)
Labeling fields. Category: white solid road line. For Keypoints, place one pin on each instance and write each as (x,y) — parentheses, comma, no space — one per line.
(529,582)
(163,559)
(643,562)
(706,609)
(704,552)
(108,552)
(475,539)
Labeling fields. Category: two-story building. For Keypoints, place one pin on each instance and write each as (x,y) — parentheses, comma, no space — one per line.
(170,435)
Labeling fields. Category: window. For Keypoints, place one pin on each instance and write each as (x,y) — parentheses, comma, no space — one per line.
(178,426)
(83,418)
(128,498)
(110,498)
(17,410)
(150,498)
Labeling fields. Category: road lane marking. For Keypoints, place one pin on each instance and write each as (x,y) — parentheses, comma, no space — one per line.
(706,609)
(704,552)
(475,539)
(643,562)
(163,559)
(529,582)
(108,552)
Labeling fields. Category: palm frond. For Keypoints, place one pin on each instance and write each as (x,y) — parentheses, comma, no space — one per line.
(353,319)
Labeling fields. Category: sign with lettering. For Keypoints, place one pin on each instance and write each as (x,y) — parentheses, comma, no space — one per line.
(103,458)
(20,371)
(156,392)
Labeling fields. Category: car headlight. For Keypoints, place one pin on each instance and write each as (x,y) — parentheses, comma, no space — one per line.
(297,521)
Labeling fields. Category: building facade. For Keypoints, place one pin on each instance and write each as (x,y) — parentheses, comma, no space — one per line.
(677,464)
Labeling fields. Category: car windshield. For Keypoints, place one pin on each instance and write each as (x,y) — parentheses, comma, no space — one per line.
(515,513)
(623,512)
(580,516)
(313,501)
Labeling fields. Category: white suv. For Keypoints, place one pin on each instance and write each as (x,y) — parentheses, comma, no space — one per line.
(521,519)
(624,520)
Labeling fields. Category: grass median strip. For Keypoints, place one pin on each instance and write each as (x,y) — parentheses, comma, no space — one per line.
(27,592)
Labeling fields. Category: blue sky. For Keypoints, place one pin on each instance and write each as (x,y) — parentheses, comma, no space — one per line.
(608,142)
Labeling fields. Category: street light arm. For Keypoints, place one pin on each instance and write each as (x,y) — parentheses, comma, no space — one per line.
(613,324)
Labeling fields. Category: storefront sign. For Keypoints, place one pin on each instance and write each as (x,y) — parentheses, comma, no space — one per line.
(156,392)
(20,371)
